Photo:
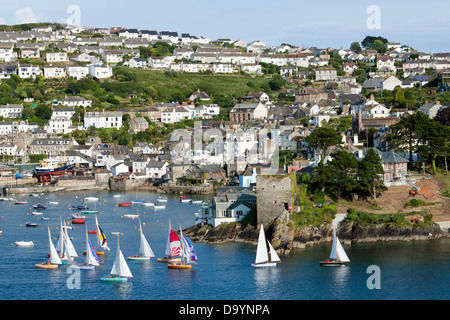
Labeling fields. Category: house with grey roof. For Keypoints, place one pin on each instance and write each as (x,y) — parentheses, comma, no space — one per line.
(395,166)
(228,208)
(431,109)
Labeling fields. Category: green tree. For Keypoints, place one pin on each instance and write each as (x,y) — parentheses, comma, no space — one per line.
(322,138)
(434,142)
(379,46)
(343,170)
(405,133)
(355,47)
(370,170)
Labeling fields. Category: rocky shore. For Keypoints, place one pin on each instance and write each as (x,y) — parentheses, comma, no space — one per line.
(285,237)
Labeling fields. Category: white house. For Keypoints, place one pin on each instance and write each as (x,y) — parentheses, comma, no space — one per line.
(75,101)
(219,67)
(156,169)
(137,63)
(160,62)
(251,68)
(100,71)
(53,72)
(206,111)
(112,56)
(386,62)
(7,53)
(172,115)
(119,168)
(56,57)
(390,83)
(431,109)
(11,110)
(107,119)
(26,71)
(77,72)
(375,111)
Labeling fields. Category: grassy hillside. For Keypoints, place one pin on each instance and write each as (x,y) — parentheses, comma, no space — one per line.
(166,84)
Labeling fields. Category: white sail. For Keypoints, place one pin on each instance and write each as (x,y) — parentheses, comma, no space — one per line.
(333,254)
(54,258)
(167,253)
(91,256)
(341,255)
(120,266)
(273,254)
(145,249)
(261,251)
(69,246)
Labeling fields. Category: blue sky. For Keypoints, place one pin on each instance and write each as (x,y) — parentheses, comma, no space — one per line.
(423,25)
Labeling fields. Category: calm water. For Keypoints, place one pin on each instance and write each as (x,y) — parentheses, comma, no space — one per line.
(415,270)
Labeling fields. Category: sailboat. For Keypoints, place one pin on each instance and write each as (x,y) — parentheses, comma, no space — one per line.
(124,204)
(338,257)
(92,259)
(262,255)
(101,239)
(64,246)
(120,271)
(173,248)
(54,258)
(188,254)
(145,251)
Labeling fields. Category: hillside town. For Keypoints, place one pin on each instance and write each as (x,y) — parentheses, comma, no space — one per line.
(203,144)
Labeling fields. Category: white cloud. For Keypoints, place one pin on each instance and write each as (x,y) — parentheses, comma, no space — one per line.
(3,21)
(25,15)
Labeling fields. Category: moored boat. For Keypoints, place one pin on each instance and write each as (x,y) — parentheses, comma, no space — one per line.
(31,224)
(78,221)
(24,243)
(39,206)
(338,257)
(124,204)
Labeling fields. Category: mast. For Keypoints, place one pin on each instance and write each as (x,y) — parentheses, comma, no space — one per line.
(118,251)
(183,258)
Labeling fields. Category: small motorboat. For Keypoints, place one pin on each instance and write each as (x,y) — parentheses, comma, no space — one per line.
(162,199)
(159,207)
(21,202)
(92,198)
(37,213)
(53,202)
(39,206)
(132,216)
(185,200)
(78,216)
(196,201)
(78,221)
(80,207)
(124,204)
(137,201)
(31,224)
(148,204)
(24,243)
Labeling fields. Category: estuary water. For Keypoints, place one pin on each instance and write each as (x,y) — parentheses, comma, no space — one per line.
(406,270)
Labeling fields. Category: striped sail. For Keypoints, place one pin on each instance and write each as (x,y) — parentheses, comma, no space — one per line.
(189,251)
(175,244)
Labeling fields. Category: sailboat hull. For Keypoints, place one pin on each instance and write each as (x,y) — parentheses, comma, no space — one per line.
(332,264)
(139,258)
(83,267)
(46,266)
(113,279)
(169,260)
(264,265)
(180,266)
